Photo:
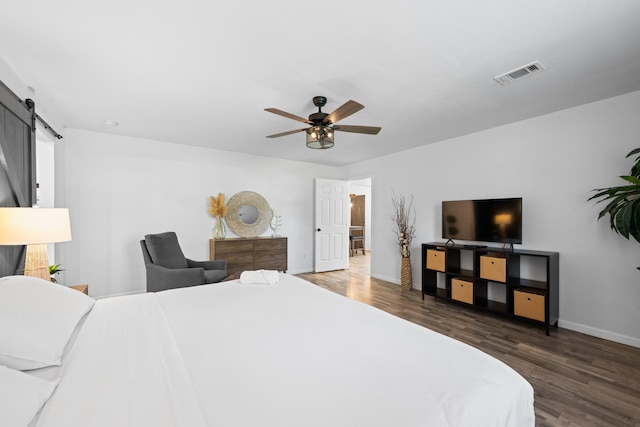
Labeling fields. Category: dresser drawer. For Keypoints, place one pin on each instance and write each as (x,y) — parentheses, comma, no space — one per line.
(226,247)
(265,256)
(246,253)
(236,258)
(272,244)
(274,264)
(529,303)
(493,268)
(436,259)
(462,290)
(238,267)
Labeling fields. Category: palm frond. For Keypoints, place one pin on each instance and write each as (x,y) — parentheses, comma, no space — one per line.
(623,202)
(635,221)
(631,179)
(635,169)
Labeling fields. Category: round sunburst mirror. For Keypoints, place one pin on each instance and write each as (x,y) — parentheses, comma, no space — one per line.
(248,214)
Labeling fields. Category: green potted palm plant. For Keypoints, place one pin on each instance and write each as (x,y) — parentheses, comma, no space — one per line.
(623,202)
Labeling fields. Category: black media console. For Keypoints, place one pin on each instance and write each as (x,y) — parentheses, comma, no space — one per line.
(516,283)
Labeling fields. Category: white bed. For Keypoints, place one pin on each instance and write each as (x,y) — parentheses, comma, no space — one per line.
(286,354)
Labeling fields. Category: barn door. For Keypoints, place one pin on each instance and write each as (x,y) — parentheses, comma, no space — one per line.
(17,166)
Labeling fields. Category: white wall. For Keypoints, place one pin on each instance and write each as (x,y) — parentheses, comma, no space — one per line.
(553,162)
(20,88)
(45,174)
(120,188)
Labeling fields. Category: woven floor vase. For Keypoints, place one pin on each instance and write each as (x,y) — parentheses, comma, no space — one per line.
(405,274)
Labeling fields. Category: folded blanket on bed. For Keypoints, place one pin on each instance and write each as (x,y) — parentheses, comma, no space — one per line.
(259,277)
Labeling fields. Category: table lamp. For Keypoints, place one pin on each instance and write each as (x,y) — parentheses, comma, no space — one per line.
(35,227)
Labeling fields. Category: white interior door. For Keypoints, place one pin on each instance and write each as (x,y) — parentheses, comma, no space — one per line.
(332,225)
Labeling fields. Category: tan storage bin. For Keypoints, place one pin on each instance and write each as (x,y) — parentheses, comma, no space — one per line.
(435,260)
(529,303)
(462,290)
(493,268)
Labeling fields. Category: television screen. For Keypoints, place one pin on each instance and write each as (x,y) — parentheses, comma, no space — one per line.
(489,220)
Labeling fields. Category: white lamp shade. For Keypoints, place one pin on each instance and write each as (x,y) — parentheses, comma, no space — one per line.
(28,226)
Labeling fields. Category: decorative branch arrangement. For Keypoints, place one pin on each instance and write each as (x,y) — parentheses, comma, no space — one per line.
(405,218)
(217,208)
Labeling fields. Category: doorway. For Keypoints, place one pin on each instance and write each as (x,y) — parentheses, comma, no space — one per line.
(360,219)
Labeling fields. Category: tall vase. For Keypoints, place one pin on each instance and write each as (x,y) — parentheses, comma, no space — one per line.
(219,232)
(405,274)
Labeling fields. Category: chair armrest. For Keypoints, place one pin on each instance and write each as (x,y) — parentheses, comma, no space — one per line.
(161,278)
(219,264)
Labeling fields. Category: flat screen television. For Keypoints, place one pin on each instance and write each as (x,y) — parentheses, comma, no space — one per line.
(488,220)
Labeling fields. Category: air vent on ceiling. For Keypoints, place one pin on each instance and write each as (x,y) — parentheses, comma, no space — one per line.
(519,73)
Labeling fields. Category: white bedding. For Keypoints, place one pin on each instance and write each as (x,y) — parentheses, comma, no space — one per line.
(287,354)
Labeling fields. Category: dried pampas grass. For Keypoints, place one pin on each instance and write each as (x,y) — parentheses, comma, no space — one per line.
(217,207)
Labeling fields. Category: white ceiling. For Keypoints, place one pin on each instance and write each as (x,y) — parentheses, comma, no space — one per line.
(201,72)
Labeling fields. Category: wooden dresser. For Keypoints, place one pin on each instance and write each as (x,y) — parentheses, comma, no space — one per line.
(250,253)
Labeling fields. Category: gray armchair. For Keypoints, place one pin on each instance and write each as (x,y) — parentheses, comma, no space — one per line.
(168,268)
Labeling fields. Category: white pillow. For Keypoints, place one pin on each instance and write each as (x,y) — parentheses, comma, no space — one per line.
(22,396)
(37,319)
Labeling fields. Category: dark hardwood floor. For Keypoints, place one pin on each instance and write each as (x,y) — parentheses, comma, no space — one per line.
(578,380)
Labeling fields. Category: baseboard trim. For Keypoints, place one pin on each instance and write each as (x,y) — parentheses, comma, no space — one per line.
(600,333)
(393,280)
(577,327)
(385,278)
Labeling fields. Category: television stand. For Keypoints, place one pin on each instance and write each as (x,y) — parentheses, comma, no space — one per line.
(453,244)
(489,278)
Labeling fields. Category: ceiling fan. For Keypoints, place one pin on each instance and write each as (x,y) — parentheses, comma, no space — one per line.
(320,133)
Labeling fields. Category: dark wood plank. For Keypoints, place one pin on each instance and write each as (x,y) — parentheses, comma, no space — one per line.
(579,380)
(17,167)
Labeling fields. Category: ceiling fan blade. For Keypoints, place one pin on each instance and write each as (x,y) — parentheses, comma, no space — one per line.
(345,110)
(287,115)
(369,130)
(276,135)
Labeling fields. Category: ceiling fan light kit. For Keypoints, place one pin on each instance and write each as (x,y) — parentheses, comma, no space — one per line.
(320,137)
(320,133)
